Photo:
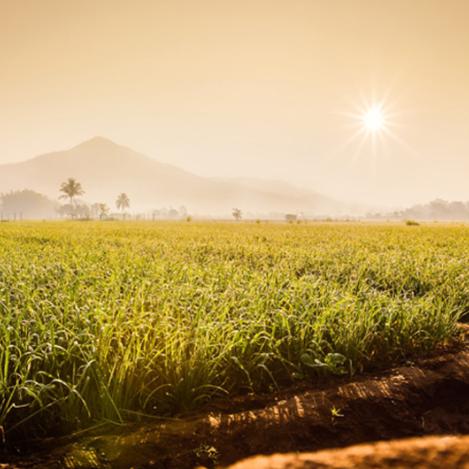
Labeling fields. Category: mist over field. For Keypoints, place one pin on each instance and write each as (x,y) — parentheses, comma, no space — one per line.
(225,98)
(106,169)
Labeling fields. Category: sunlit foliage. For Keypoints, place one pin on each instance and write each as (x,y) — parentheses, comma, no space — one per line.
(116,320)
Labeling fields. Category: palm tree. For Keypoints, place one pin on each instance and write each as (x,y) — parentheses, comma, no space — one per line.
(71,188)
(122,202)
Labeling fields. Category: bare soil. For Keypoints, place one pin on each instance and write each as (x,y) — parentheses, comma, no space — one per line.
(430,452)
(429,396)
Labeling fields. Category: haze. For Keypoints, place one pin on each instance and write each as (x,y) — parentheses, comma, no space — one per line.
(258,89)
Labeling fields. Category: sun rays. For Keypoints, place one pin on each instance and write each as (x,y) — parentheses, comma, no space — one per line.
(374,125)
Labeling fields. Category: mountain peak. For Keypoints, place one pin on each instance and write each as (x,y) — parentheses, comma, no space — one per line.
(97,141)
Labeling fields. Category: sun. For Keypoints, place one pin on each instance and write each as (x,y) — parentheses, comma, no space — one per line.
(373,119)
(374,123)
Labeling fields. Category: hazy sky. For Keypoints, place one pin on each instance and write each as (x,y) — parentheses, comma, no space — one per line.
(247,88)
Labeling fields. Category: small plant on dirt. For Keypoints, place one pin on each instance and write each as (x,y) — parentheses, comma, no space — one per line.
(334,363)
(336,412)
(207,454)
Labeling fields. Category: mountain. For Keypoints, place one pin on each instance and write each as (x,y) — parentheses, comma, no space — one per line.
(105,169)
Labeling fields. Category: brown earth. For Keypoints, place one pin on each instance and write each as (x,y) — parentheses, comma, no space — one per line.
(431,452)
(427,397)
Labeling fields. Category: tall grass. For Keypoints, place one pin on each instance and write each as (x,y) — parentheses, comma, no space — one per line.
(114,321)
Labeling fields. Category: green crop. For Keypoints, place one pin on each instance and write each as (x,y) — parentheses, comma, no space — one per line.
(114,321)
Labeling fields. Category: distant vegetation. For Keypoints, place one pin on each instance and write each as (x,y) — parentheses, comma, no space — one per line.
(109,322)
(123,202)
(27,204)
(237,214)
(76,208)
(411,223)
(103,210)
(291,217)
(436,210)
(71,189)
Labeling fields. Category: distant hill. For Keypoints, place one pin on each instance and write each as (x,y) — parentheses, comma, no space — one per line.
(105,169)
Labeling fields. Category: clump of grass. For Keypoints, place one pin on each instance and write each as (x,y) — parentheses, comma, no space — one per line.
(412,223)
(117,321)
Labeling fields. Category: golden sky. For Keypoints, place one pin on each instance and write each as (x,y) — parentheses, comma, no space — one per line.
(247,87)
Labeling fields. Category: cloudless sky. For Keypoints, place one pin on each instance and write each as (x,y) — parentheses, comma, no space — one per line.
(248,88)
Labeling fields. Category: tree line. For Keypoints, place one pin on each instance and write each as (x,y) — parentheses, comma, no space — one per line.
(71,189)
(438,209)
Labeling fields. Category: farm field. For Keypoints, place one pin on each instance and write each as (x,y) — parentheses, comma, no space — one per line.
(115,321)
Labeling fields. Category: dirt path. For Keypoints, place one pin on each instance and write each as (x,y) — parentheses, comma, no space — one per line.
(430,396)
(430,452)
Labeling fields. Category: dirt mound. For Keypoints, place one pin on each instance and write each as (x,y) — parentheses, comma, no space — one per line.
(429,396)
(427,452)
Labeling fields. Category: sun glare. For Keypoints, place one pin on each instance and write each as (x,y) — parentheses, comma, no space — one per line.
(373,119)
(373,124)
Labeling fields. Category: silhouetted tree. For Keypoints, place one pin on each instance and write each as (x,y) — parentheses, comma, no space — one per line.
(103,210)
(71,188)
(237,214)
(122,202)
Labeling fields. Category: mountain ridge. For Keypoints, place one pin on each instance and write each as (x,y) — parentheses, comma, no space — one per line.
(106,168)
